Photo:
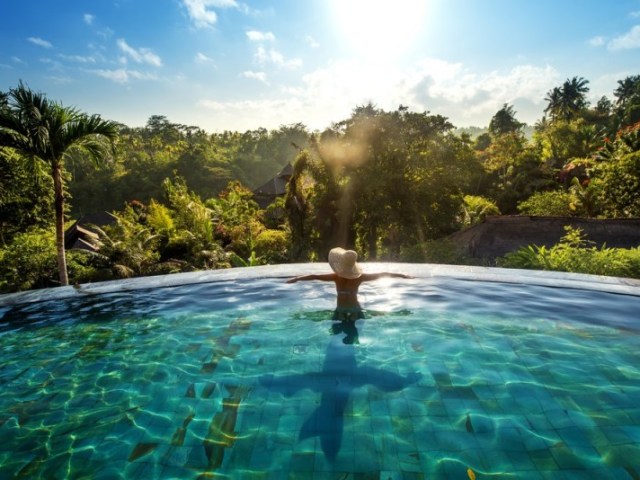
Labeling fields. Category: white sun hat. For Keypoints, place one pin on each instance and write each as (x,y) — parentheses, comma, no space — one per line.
(344,263)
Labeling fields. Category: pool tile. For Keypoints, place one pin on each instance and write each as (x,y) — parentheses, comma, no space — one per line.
(622,456)
(541,440)
(521,461)
(574,436)
(567,459)
(616,435)
(559,419)
(544,460)
(633,432)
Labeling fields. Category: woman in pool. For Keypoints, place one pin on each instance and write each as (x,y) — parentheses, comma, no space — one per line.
(347,276)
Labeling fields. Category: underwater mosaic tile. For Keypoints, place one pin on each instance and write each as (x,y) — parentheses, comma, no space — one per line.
(431,392)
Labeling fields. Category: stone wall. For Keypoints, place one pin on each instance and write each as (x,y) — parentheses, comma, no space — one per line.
(499,235)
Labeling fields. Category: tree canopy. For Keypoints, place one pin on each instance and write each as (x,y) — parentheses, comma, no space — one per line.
(388,183)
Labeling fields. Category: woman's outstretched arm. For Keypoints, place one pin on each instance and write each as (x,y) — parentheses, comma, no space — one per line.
(374,276)
(327,277)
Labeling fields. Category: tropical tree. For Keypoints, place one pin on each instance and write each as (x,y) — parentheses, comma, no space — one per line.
(628,90)
(47,132)
(628,100)
(399,177)
(25,197)
(504,121)
(566,102)
(615,175)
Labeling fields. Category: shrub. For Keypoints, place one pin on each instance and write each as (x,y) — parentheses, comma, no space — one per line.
(574,253)
(271,246)
(29,261)
(555,203)
(475,209)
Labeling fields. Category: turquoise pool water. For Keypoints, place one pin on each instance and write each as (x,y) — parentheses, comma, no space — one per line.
(456,373)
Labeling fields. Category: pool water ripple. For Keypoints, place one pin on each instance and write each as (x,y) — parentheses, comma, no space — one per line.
(248,378)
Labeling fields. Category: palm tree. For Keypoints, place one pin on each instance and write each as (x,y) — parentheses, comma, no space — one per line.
(504,121)
(553,100)
(48,132)
(627,89)
(567,101)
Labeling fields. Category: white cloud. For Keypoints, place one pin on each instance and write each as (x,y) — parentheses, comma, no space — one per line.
(52,64)
(474,97)
(141,55)
(60,80)
(106,33)
(312,42)
(202,58)
(466,96)
(118,76)
(88,18)
(256,36)
(264,56)
(40,42)
(78,58)
(261,76)
(629,40)
(263,113)
(327,95)
(200,10)
(635,14)
(597,41)
(122,75)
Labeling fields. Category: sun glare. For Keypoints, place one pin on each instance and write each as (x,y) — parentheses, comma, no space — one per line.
(379,29)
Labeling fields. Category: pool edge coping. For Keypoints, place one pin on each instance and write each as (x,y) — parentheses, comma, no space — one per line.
(620,285)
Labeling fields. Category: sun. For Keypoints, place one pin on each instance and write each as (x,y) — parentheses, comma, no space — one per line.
(379,29)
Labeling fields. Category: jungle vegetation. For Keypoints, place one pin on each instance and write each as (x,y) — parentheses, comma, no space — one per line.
(391,184)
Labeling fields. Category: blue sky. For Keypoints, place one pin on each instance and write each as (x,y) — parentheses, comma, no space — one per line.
(233,65)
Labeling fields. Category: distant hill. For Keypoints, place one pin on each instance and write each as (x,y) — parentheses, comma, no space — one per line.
(473,132)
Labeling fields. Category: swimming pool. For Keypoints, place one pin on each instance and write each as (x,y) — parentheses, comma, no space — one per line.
(460,372)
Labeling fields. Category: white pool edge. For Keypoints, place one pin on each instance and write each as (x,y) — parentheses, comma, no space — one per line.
(625,286)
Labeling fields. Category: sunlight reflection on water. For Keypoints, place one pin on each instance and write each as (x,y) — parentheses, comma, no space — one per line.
(244,373)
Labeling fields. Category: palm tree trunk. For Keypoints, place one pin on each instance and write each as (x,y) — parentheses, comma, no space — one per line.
(59,211)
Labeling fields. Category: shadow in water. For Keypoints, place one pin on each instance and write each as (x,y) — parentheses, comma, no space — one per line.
(340,375)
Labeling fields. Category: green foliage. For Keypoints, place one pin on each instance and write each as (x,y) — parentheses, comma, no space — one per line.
(271,246)
(504,121)
(628,101)
(238,261)
(569,100)
(159,218)
(26,195)
(29,261)
(574,253)
(146,156)
(47,132)
(440,251)
(564,140)
(475,209)
(130,248)
(514,170)
(379,179)
(238,218)
(388,183)
(616,174)
(551,203)
(190,212)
